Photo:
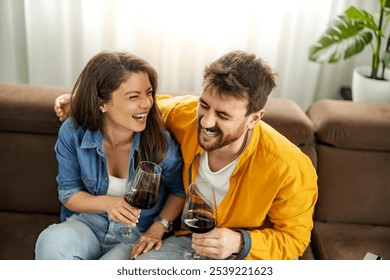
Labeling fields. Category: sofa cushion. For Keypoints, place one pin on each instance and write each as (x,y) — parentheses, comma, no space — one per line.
(308,254)
(351,125)
(29,108)
(341,241)
(353,186)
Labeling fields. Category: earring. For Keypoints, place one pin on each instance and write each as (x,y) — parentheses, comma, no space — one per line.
(103,109)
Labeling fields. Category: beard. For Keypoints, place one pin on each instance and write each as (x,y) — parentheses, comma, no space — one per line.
(220,139)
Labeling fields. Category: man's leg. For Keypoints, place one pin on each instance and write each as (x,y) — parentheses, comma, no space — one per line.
(173,248)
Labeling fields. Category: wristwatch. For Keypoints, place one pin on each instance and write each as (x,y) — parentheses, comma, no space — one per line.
(167,224)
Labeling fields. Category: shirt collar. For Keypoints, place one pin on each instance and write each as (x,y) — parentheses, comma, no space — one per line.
(94,139)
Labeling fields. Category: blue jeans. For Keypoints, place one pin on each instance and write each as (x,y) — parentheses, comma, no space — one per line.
(81,237)
(173,248)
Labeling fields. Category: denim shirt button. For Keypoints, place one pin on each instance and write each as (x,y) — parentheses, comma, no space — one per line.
(105,178)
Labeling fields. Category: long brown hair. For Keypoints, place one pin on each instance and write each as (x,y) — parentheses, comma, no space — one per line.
(102,75)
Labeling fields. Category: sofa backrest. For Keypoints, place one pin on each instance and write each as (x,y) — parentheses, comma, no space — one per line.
(353,147)
(28,131)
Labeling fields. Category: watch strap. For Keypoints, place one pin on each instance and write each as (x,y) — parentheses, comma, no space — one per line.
(167,224)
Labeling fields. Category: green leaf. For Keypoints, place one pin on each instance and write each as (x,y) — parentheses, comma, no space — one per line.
(362,17)
(341,40)
(386,4)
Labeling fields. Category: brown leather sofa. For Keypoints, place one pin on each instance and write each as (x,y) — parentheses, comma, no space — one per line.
(350,152)
(353,209)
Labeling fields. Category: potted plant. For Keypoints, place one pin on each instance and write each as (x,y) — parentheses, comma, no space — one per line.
(347,36)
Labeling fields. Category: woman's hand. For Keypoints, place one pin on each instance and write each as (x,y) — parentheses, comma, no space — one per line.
(120,211)
(117,208)
(152,238)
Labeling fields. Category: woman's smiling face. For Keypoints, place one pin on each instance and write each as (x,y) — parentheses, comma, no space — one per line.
(130,104)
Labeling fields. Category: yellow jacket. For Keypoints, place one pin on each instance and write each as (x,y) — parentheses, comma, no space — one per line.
(272,191)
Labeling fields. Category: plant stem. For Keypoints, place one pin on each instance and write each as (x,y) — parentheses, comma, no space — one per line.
(378,35)
(383,64)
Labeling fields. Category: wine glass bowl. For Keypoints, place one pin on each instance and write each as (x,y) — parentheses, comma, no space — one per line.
(142,193)
(199,213)
(198,222)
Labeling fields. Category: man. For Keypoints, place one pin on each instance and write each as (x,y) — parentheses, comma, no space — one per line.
(266,188)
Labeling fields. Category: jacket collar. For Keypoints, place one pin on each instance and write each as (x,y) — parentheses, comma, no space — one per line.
(252,145)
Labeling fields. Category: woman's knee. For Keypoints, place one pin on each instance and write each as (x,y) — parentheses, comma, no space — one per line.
(46,246)
(69,240)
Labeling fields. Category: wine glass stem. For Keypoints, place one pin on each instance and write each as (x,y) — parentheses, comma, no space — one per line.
(128,230)
(196,256)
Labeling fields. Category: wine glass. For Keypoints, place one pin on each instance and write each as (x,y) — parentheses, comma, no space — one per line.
(199,213)
(142,193)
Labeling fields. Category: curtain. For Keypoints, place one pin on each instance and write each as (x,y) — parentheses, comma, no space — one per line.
(49,42)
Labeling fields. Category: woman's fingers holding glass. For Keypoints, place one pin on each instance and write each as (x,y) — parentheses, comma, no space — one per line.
(130,212)
(119,217)
(120,211)
(130,216)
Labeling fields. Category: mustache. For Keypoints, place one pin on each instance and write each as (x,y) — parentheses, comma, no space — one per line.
(214,129)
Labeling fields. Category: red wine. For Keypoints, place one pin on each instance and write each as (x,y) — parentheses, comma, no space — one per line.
(198,222)
(142,199)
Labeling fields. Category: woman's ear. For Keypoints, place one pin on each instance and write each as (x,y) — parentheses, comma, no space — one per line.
(102,109)
(255,117)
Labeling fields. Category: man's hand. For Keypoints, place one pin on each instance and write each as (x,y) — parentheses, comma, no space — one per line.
(219,243)
(62,106)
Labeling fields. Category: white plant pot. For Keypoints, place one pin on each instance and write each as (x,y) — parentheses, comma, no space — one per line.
(370,90)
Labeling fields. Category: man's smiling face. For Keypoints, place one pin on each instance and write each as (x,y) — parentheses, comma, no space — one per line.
(222,119)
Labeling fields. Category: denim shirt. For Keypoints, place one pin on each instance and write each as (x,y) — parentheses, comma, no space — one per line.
(82,166)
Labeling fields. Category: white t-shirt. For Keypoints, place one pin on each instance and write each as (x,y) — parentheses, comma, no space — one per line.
(220,180)
(116,186)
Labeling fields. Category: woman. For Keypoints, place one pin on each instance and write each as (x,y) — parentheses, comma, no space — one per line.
(114,124)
